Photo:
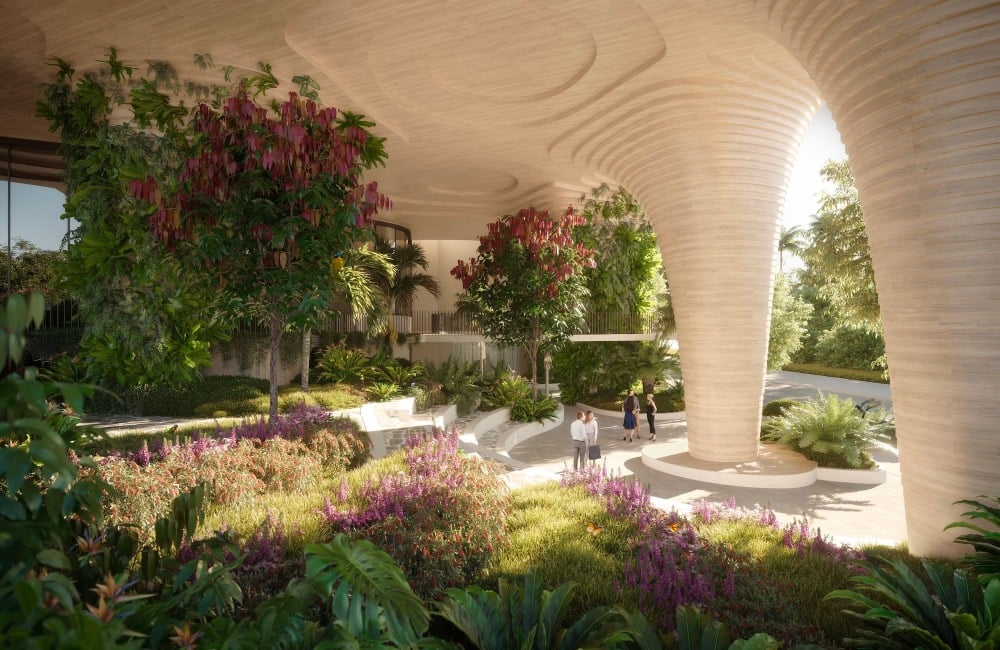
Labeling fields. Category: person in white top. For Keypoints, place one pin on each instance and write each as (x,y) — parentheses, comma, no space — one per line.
(579,442)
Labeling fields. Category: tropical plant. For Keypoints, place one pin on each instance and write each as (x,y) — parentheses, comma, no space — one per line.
(528,617)
(398,373)
(151,318)
(41,486)
(627,276)
(789,316)
(829,430)
(652,361)
(954,611)
(267,199)
(792,241)
(370,601)
(985,539)
(408,276)
(457,382)
(699,631)
(838,255)
(528,409)
(383,391)
(507,390)
(343,365)
(525,285)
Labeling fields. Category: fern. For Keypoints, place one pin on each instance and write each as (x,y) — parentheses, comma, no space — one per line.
(828,430)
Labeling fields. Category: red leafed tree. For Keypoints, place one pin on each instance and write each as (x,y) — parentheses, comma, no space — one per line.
(525,286)
(267,199)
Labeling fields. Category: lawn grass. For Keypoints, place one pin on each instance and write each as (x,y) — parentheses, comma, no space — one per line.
(549,530)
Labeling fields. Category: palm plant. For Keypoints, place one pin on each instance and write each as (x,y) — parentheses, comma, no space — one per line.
(528,617)
(985,541)
(955,612)
(791,241)
(401,285)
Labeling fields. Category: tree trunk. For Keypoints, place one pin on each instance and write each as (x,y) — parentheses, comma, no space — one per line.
(306,353)
(275,326)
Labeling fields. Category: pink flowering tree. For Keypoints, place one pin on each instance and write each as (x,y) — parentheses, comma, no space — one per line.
(266,200)
(525,287)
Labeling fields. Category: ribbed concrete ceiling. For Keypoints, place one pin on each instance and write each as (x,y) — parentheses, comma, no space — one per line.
(488,106)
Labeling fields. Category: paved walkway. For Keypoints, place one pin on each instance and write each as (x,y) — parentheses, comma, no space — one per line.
(846,512)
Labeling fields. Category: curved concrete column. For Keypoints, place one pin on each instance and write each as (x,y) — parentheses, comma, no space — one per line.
(914,88)
(714,193)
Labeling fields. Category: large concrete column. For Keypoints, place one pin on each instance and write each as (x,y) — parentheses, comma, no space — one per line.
(715,197)
(915,90)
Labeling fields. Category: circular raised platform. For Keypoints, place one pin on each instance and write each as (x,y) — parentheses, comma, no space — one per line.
(774,466)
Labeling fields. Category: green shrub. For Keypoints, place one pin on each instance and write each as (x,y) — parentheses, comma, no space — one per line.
(876,376)
(849,347)
(343,365)
(182,401)
(529,410)
(671,398)
(383,392)
(507,391)
(829,430)
(458,383)
(778,406)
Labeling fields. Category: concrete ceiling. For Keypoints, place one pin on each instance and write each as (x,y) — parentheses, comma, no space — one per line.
(487,106)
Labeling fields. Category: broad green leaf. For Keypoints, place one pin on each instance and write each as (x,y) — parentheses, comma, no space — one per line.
(17,316)
(54,558)
(36,308)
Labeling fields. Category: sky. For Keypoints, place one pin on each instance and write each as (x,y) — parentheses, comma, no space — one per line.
(34,211)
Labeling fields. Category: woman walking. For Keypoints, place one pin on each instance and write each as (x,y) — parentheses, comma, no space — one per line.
(631,407)
(651,416)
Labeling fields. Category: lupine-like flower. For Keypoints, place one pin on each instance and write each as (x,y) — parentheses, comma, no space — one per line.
(185,637)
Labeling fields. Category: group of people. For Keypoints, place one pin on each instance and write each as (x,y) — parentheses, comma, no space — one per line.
(584,429)
(631,408)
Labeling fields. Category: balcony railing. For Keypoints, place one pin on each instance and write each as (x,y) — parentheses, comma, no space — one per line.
(446,322)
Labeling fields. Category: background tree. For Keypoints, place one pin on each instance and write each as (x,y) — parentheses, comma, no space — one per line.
(33,269)
(792,241)
(845,329)
(148,318)
(789,317)
(525,287)
(266,202)
(408,276)
(838,254)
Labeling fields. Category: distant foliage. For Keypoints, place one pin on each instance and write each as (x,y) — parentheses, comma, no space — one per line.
(789,316)
(850,347)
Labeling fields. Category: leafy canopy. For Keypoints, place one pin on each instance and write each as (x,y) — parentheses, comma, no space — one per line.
(266,201)
(525,287)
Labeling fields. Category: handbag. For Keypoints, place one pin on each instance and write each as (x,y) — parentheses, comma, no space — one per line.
(593,452)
